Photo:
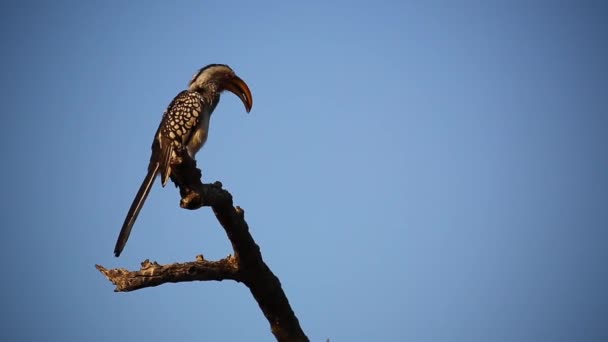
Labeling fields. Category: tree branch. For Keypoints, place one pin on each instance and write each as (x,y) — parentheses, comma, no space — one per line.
(246,266)
(152,274)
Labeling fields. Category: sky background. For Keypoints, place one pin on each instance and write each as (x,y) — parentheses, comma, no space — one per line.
(411,171)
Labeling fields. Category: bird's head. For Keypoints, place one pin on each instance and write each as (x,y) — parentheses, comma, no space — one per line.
(219,77)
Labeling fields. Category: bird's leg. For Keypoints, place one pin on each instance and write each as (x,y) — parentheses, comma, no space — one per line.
(177,157)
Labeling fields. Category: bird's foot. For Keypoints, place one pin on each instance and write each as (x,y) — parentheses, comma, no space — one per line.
(176,160)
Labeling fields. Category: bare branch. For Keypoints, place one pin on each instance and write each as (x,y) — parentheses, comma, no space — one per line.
(152,274)
(246,266)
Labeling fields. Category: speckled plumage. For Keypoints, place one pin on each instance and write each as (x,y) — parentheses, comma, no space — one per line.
(185,124)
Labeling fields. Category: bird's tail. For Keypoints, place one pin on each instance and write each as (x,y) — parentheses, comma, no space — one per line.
(136,206)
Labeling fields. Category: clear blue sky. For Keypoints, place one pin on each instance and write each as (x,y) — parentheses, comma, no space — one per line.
(412,172)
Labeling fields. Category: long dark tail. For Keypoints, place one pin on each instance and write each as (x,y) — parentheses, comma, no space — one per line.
(136,206)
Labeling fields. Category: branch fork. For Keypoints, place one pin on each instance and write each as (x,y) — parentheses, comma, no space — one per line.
(245,265)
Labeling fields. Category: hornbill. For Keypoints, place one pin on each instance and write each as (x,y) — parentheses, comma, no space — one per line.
(184,125)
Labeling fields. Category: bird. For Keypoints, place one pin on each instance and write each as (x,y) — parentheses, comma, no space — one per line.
(184,125)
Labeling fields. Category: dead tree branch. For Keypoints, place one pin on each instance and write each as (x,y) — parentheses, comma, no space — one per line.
(246,265)
(152,274)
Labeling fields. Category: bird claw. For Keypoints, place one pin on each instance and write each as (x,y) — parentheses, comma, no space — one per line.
(176,160)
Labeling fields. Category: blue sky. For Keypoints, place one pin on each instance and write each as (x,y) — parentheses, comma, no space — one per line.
(412,171)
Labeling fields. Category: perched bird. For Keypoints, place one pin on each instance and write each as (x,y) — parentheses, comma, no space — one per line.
(185,125)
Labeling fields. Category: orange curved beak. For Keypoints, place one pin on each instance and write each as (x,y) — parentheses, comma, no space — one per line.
(237,86)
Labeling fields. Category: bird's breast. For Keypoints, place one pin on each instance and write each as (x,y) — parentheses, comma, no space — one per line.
(199,136)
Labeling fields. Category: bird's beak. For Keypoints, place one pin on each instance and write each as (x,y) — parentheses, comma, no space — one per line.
(240,89)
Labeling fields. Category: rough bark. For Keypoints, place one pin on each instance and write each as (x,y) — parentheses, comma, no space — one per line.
(246,265)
